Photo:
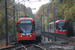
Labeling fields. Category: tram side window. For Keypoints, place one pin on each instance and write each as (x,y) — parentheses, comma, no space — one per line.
(53,26)
(18,27)
(33,27)
(50,26)
(56,25)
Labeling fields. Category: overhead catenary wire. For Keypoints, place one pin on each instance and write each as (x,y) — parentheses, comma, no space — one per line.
(25,8)
(11,7)
(7,15)
(15,4)
(63,7)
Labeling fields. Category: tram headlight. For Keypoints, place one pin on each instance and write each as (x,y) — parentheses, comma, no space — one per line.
(20,35)
(30,35)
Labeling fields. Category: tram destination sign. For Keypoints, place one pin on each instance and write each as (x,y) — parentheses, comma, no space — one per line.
(25,21)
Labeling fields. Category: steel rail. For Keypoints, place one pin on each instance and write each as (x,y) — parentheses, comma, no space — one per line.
(24,47)
(15,47)
(40,47)
(71,39)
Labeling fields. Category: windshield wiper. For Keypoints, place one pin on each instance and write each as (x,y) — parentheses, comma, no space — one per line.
(24,30)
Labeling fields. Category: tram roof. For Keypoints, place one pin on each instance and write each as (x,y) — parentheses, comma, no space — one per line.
(58,21)
(25,19)
(61,21)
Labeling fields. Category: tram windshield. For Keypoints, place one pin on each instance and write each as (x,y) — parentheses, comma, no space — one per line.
(62,25)
(26,28)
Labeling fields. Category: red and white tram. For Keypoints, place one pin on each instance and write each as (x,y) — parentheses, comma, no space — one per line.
(25,29)
(60,26)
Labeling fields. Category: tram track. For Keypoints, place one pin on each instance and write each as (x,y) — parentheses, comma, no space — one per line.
(34,47)
(17,47)
(24,47)
(70,41)
(42,48)
(11,47)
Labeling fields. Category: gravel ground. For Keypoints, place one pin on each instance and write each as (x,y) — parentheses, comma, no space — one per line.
(56,46)
(3,44)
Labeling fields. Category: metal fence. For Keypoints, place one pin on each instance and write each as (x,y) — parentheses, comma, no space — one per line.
(11,38)
(53,35)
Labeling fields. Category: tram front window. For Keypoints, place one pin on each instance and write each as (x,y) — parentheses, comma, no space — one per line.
(62,25)
(25,28)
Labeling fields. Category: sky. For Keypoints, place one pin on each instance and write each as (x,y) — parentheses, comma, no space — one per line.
(33,4)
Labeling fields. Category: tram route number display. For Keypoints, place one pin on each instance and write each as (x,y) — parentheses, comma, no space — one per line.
(26,21)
